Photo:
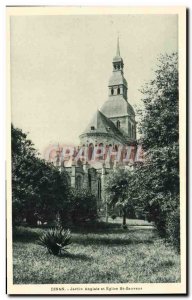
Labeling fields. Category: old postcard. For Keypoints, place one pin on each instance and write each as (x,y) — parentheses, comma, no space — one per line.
(96,164)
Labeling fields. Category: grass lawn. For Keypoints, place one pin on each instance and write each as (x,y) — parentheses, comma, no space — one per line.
(100,255)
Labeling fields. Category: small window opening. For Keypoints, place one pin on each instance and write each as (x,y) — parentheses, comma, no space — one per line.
(92,127)
(118,91)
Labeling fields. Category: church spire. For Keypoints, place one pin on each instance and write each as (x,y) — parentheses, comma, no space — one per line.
(117,83)
(117,60)
(118,48)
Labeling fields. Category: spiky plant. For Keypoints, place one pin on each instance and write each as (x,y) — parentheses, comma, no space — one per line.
(55,240)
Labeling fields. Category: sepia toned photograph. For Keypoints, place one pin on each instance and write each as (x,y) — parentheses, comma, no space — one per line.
(96,183)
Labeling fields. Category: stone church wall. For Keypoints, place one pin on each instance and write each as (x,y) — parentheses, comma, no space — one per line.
(123,123)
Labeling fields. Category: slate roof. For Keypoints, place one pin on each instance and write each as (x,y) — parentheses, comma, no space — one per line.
(117,78)
(102,125)
(117,106)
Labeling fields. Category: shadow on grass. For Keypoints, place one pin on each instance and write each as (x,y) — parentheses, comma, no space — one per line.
(25,235)
(95,227)
(126,236)
(111,241)
(75,256)
(109,228)
(167,264)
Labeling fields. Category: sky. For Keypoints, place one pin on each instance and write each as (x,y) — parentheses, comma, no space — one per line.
(60,67)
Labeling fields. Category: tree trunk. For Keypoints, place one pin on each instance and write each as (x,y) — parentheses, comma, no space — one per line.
(106,213)
(124,217)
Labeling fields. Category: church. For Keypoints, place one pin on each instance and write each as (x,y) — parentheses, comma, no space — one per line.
(111,126)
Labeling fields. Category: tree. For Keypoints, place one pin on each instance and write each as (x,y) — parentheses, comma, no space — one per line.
(157,180)
(83,206)
(23,157)
(39,190)
(119,190)
(156,185)
(53,191)
(159,124)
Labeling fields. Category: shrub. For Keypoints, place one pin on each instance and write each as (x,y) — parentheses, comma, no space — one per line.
(167,220)
(55,240)
(83,207)
(160,223)
(173,228)
(154,213)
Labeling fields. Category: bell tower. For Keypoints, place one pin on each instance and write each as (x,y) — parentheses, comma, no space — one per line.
(117,83)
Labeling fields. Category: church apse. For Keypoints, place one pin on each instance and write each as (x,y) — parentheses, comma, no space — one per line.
(111,127)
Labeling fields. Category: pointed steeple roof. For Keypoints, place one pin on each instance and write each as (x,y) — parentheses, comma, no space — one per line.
(118,55)
(118,48)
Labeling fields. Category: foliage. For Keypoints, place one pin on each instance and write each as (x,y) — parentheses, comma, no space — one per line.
(173,228)
(119,190)
(83,206)
(156,187)
(54,193)
(23,157)
(39,190)
(156,181)
(55,240)
(159,120)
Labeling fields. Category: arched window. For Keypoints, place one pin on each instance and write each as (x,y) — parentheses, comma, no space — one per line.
(118,124)
(100,148)
(118,91)
(78,182)
(90,151)
(112,91)
(99,152)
